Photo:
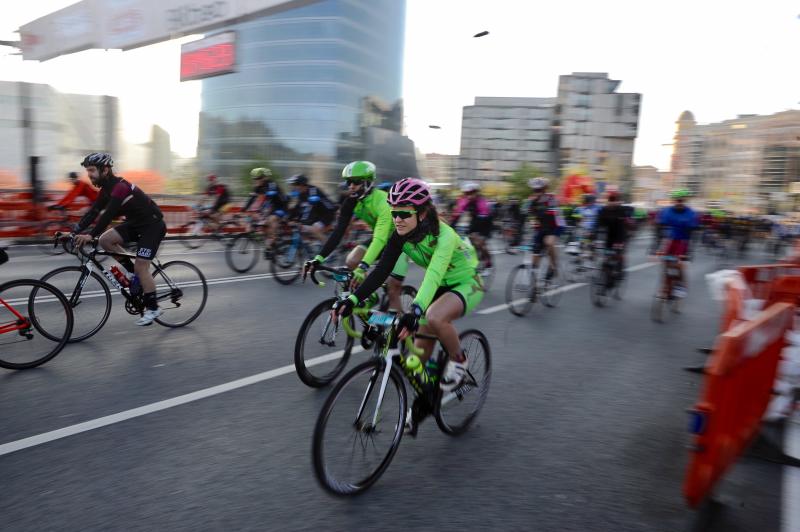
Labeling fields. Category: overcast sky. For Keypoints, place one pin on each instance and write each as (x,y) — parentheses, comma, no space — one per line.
(715,58)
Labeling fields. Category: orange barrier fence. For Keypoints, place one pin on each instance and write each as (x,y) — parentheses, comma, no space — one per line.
(737,389)
(19,219)
(759,278)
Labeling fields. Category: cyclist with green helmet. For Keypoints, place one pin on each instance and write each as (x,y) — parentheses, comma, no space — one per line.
(367,203)
(451,288)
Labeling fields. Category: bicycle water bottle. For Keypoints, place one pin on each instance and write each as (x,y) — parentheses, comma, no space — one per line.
(136,286)
(432,369)
(416,372)
(119,276)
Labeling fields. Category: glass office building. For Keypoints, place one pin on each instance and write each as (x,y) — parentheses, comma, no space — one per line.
(315,87)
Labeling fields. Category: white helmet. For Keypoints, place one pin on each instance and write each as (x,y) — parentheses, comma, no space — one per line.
(470,186)
(538,183)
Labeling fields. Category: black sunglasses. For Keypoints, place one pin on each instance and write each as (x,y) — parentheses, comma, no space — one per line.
(353,182)
(403,215)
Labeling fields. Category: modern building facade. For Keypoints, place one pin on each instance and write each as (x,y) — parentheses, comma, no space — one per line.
(588,125)
(438,168)
(60,130)
(316,87)
(498,135)
(747,163)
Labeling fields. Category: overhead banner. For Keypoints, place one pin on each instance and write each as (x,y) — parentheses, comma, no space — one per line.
(126,24)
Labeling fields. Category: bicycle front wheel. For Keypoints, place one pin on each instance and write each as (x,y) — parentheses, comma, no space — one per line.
(320,352)
(287,262)
(35,323)
(182,291)
(520,290)
(358,430)
(89,298)
(456,410)
(242,253)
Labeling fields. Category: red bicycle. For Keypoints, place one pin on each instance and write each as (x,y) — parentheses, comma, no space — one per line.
(35,322)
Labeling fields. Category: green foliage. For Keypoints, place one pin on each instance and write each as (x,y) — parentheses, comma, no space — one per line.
(518,181)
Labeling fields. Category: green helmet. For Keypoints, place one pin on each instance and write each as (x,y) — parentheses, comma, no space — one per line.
(681,193)
(260,172)
(363,170)
(360,171)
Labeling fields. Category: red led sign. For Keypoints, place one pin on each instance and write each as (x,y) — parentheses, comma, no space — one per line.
(208,57)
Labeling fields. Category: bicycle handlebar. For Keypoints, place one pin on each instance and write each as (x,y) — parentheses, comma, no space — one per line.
(322,267)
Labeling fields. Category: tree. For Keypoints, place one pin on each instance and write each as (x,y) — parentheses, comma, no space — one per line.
(518,181)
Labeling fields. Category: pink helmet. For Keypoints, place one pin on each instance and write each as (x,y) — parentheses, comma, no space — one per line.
(409,191)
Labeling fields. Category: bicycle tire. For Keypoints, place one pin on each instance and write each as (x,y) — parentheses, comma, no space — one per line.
(243,245)
(47,233)
(281,265)
(551,289)
(73,297)
(306,376)
(176,298)
(376,368)
(60,341)
(520,306)
(189,237)
(456,429)
(598,290)
(226,232)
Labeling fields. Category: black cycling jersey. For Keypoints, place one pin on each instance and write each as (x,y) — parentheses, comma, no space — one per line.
(274,199)
(258,190)
(544,209)
(120,198)
(313,206)
(612,220)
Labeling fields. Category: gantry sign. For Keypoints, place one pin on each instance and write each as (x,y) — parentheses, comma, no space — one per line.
(126,24)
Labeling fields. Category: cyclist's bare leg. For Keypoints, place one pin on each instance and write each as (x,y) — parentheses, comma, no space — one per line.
(550,244)
(354,257)
(142,269)
(440,316)
(317,230)
(480,247)
(270,229)
(112,241)
(394,289)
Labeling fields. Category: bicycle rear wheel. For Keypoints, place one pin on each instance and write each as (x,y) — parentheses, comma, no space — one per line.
(242,253)
(520,290)
(456,410)
(35,323)
(191,233)
(182,291)
(354,439)
(551,284)
(89,299)
(319,353)
(287,261)
(598,289)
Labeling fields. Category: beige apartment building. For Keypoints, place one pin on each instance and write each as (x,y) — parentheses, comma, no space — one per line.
(748,163)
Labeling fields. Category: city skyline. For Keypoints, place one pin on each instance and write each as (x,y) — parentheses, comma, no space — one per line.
(717,59)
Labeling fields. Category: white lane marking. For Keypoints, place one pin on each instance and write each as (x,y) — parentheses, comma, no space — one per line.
(71,430)
(498,308)
(642,266)
(791,477)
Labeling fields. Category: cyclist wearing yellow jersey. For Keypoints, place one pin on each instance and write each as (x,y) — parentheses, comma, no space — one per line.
(368,204)
(451,288)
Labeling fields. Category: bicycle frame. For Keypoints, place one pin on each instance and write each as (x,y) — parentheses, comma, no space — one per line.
(20,324)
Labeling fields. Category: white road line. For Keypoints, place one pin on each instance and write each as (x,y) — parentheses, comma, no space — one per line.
(791,477)
(71,430)
(498,308)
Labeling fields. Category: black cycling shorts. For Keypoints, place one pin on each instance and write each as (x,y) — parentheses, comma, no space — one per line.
(482,226)
(147,237)
(537,244)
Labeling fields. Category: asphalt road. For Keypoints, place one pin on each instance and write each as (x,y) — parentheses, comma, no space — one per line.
(584,428)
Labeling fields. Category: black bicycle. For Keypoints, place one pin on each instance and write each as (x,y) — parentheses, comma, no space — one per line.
(316,365)
(362,422)
(608,279)
(181,290)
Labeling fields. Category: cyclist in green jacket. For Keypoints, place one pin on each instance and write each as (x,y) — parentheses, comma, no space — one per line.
(451,288)
(368,204)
